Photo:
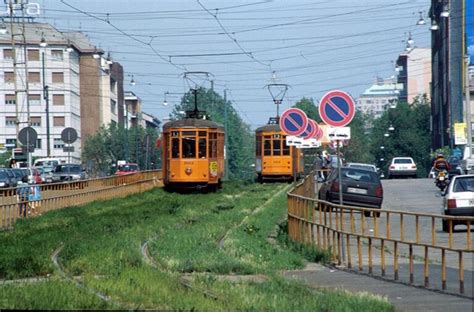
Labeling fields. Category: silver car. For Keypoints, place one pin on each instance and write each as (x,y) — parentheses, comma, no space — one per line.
(459,199)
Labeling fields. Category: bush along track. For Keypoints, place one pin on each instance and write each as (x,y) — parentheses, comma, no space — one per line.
(147,249)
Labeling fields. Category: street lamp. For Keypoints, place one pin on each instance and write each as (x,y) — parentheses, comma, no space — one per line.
(44,44)
(3,28)
(434,26)
(445,12)
(421,21)
(391,128)
(386,135)
(132,82)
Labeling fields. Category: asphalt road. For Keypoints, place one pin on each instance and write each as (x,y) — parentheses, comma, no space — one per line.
(420,196)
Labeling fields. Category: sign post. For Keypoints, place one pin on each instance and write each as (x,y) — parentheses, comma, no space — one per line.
(337,109)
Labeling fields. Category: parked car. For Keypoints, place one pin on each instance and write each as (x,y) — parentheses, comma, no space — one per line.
(5,180)
(402,167)
(11,176)
(19,174)
(34,175)
(68,172)
(459,199)
(360,187)
(127,168)
(455,165)
(362,166)
(46,174)
(432,173)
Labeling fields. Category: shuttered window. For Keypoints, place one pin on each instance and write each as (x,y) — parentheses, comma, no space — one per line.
(9,77)
(10,99)
(33,55)
(58,77)
(58,99)
(34,77)
(58,122)
(7,54)
(35,121)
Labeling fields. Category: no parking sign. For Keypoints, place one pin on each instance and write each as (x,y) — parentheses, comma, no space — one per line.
(293,121)
(337,108)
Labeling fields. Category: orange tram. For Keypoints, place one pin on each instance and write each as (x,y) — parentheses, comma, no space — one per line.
(193,154)
(274,159)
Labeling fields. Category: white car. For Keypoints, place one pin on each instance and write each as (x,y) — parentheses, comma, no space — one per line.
(459,198)
(402,167)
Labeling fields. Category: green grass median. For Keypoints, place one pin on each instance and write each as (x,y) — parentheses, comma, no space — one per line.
(201,236)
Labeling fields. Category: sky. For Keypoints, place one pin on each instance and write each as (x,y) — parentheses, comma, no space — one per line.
(311,45)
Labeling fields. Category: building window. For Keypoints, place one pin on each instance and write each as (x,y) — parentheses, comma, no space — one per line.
(113,85)
(58,143)
(10,143)
(10,99)
(7,54)
(58,77)
(9,77)
(34,99)
(113,106)
(58,99)
(38,143)
(33,55)
(10,121)
(58,122)
(57,55)
(35,121)
(34,77)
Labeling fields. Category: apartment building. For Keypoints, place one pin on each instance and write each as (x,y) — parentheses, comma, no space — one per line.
(63,71)
(376,99)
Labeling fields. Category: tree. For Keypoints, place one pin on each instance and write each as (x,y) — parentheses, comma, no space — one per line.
(408,138)
(240,147)
(308,106)
(110,144)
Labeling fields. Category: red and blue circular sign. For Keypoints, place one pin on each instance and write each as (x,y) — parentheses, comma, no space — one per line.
(311,130)
(293,121)
(337,108)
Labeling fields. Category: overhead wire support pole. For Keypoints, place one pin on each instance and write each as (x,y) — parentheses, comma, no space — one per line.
(226,140)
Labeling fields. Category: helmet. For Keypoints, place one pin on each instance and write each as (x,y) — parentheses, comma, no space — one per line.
(440,155)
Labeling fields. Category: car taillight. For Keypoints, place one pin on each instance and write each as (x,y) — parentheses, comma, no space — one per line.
(413,167)
(451,203)
(379,191)
(335,186)
(392,167)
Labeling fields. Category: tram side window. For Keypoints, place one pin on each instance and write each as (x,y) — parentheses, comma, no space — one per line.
(267,146)
(286,148)
(175,148)
(189,147)
(258,146)
(202,148)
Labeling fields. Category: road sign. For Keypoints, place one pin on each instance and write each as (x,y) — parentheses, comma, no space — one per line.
(69,135)
(311,130)
(319,133)
(27,136)
(293,121)
(302,143)
(339,133)
(337,108)
(460,130)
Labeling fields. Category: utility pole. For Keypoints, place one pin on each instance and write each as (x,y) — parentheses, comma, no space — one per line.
(226,142)
(46,98)
(468,109)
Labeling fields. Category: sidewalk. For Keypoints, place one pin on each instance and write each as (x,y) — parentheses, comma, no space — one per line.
(403,297)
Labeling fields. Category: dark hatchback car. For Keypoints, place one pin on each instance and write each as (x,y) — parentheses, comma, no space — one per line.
(359,188)
(454,165)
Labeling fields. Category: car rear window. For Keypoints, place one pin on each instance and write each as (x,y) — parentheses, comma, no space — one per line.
(360,175)
(370,168)
(402,161)
(464,184)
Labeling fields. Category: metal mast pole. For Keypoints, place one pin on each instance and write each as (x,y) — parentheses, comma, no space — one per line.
(46,98)
(15,84)
(226,142)
(468,109)
(23,31)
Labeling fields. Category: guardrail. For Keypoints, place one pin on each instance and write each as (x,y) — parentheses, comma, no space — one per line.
(74,193)
(344,231)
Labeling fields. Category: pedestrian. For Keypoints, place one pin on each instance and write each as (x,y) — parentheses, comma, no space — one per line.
(23,193)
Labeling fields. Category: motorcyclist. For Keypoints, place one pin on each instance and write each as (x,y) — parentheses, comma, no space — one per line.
(440,164)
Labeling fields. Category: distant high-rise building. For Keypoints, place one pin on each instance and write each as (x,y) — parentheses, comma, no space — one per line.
(376,99)
(414,73)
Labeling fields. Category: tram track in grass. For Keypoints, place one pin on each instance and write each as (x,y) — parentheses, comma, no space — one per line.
(112,240)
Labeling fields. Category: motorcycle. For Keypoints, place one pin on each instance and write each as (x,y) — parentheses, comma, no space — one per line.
(442,180)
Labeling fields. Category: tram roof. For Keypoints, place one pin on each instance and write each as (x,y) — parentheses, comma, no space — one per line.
(268,128)
(192,123)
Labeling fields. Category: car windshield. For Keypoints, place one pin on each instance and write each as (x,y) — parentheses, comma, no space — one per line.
(464,184)
(3,175)
(402,161)
(128,167)
(359,175)
(68,168)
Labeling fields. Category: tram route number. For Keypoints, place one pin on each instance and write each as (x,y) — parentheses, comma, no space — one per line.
(213,168)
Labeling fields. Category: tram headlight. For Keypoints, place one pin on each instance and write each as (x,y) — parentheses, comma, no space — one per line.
(188,170)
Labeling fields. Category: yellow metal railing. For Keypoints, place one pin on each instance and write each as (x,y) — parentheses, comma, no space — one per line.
(69,194)
(395,235)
